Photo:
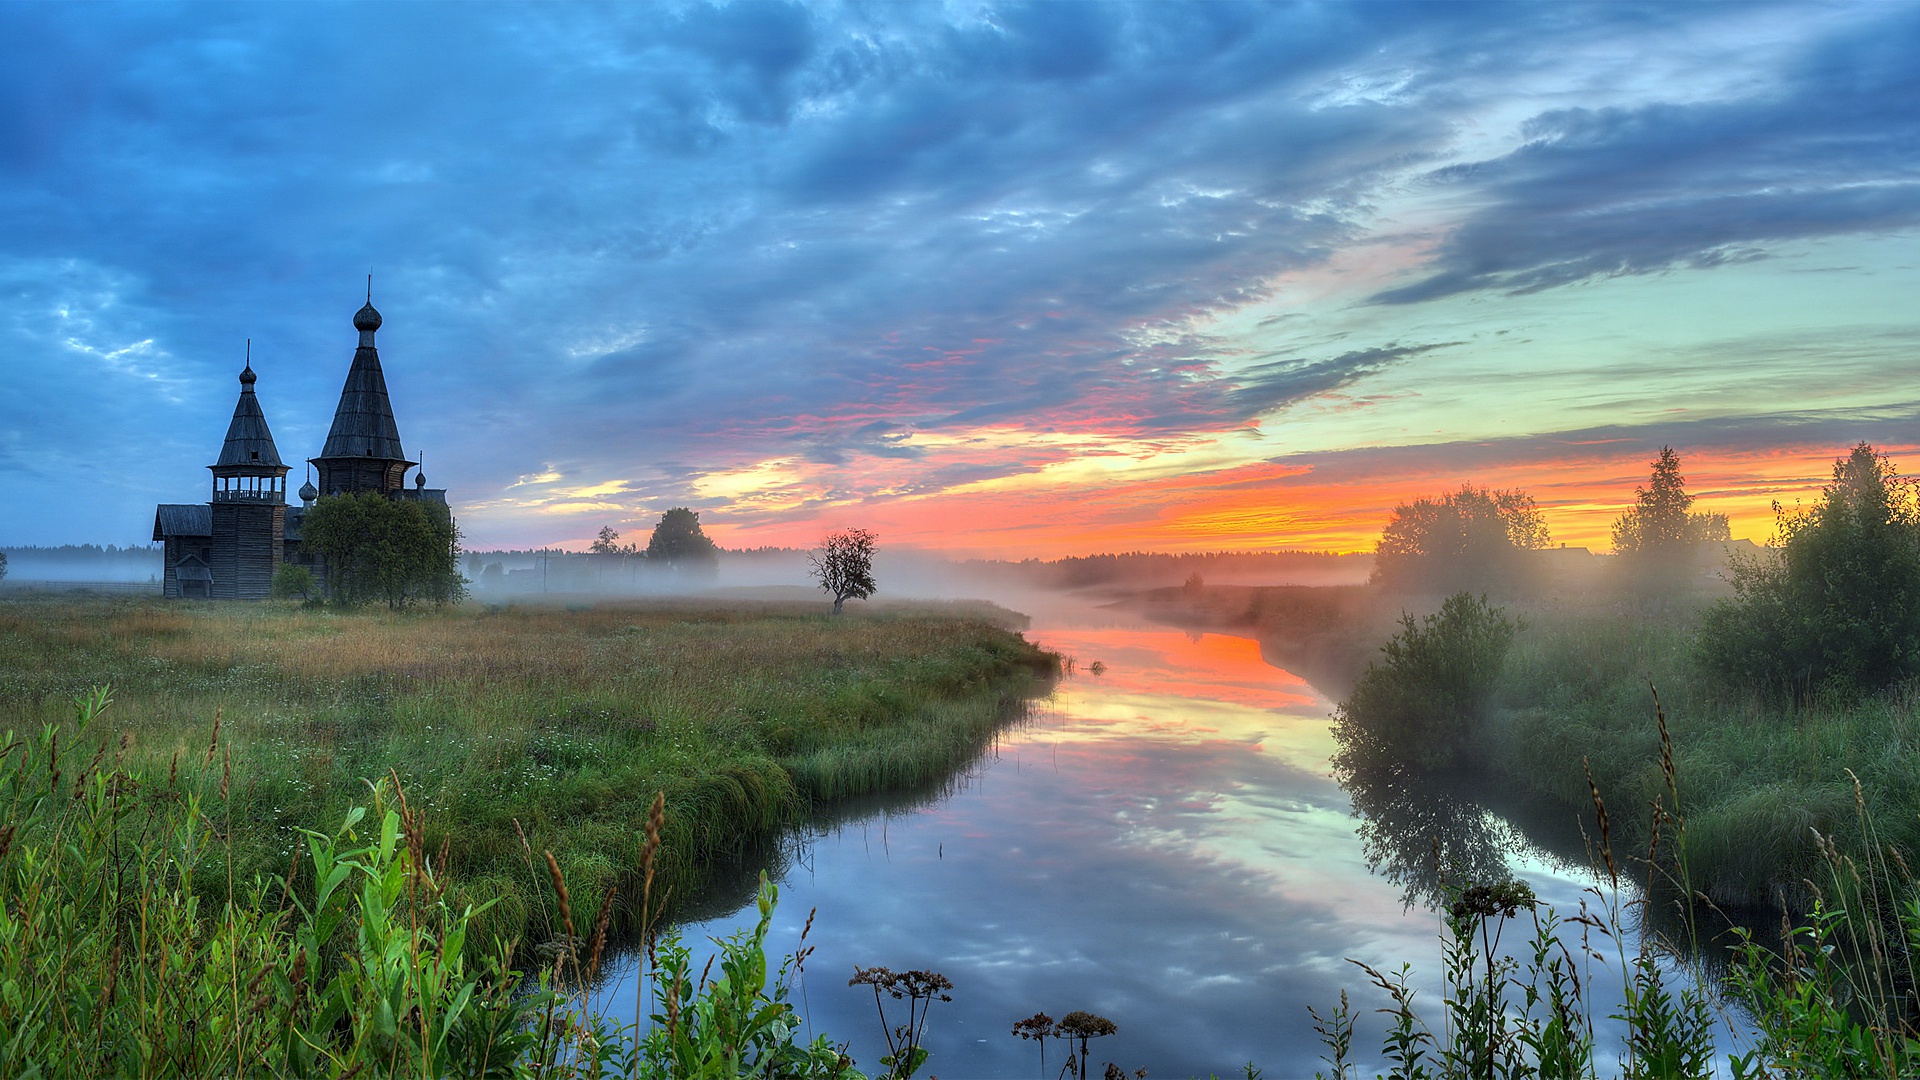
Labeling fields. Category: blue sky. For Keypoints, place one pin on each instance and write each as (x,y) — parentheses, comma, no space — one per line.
(997,278)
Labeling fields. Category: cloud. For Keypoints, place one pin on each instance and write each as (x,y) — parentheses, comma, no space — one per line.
(655,242)
(1603,192)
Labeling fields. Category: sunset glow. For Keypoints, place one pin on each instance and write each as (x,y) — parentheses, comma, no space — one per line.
(988,279)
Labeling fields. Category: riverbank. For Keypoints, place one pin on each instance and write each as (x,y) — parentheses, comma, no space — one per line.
(1757,774)
(553,722)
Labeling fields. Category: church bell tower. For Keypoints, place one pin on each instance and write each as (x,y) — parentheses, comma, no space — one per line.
(249,508)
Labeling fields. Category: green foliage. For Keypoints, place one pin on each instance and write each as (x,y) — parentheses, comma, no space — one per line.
(292,582)
(378,548)
(678,542)
(1433,683)
(1836,606)
(3,566)
(1468,540)
(733,1025)
(843,565)
(112,962)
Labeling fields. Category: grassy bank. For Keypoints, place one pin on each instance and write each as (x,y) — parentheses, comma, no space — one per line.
(1758,773)
(553,723)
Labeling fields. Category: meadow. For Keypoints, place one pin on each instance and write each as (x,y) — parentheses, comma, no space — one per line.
(517,730)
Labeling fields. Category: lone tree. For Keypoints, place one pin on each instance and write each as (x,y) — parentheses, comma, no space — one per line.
(678,542)
(379,548)
(844,566)
(1468,540)
(608,543)
(1657,534)
(3,566)
(1835,605)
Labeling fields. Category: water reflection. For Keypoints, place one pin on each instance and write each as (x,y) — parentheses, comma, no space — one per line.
(1425,833)
(1162,845)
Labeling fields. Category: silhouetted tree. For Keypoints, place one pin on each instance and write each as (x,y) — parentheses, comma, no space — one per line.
(1656,537)
(3,566)
(379,548)
(678,542)
(1468,540)
(843,565)
(1836,604)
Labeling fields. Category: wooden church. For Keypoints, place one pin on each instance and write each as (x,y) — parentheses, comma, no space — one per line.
(229,547)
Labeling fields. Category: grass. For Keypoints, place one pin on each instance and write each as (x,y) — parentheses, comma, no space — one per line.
(1762,774)
(112,964)
(521,729)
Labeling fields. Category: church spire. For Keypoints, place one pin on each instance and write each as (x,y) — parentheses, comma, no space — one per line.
(249,442)
(363,451)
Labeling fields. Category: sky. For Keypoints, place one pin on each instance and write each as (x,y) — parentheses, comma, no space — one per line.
(991,279)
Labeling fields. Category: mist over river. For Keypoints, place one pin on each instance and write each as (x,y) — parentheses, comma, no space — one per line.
(1161,843)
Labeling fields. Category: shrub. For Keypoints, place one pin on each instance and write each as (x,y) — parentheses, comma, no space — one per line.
(1835,606)
(292,582)
(1434,680)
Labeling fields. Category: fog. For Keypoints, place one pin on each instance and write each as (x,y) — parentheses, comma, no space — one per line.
(900,573)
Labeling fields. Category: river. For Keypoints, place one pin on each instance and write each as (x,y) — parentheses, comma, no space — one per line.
(1160,844)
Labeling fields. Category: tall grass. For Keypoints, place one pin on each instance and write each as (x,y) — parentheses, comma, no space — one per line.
(352,963)
(1765,770)
(1837,999)
(525,726)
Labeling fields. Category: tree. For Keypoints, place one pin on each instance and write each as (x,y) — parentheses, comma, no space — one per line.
(1835,605)
(608,543)
(843,565)
(1469,539)
(1418,706)
(1658,534)
(380,548)
(3,566)
(678,542)
(293,581)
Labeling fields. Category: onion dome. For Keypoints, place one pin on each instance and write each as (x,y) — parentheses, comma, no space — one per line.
(247,377)
(308,492)
(420,480)
(366,318)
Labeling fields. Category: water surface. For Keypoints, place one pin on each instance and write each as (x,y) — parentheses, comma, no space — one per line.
(1161,844)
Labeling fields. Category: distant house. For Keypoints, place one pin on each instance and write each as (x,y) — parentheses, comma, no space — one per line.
(229,547)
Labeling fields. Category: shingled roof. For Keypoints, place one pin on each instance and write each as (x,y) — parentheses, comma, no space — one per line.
(248,440)
(176,519)
(363,424)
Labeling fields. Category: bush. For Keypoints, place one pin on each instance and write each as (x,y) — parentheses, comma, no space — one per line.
(1835,606)
(1434,682)
(292,582)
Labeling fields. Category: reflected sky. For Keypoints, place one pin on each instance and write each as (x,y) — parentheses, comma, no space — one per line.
(1162,844)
